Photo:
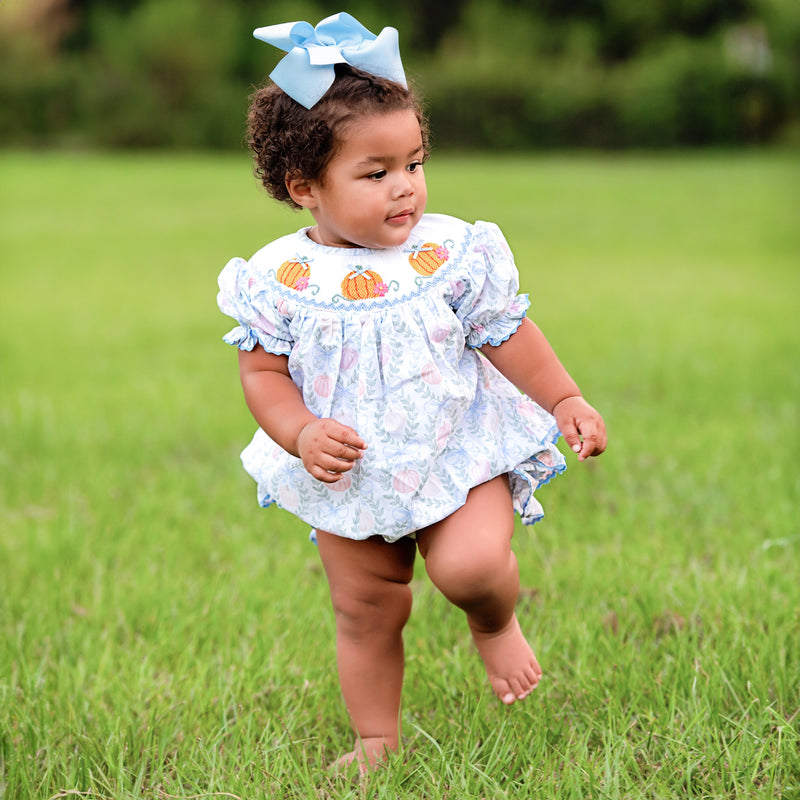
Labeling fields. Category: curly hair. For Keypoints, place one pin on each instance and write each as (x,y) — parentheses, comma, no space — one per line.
(289,140)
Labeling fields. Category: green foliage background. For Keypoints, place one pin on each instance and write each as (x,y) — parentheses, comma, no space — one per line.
(497,73)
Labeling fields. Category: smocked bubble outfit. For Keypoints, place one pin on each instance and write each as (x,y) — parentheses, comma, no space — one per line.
(384,341)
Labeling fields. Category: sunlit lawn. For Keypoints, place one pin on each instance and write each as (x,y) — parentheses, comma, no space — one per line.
(164,637)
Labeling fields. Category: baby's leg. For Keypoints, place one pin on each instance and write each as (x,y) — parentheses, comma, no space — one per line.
(372,601)
(468,557)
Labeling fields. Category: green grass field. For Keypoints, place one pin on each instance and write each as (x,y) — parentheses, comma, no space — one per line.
(161,636)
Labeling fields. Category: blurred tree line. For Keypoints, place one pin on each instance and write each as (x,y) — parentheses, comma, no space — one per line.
(496,73)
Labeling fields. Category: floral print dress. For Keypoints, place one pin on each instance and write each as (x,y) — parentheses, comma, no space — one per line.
(385,341)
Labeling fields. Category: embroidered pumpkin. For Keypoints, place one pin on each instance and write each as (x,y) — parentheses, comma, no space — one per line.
(361,284)
(294,274)
(428,258)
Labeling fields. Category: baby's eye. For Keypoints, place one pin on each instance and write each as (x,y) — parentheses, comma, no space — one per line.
(376,176)
(412,167)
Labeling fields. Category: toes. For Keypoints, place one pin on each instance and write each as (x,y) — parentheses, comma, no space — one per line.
(519,687)
(504,691)
(534,676)
(523,684)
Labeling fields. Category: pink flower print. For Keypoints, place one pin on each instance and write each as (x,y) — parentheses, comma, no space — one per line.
(442,252)
(406,481)
(394,420)
(323,385)
(440,333)
(443,434)
(546,458)
(458,288)
(342,485)
(380,289)
(287,496)
(430,374)
(349,358)
(366,521)
(301,283)
(490,421)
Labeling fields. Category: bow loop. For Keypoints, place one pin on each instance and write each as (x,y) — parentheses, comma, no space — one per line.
(306,72)
(325,54)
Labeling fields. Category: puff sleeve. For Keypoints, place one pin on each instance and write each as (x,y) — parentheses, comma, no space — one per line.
(243,296)
(488,302)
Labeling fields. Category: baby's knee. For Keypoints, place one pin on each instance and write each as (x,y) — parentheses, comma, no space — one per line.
(474,572)
(368,611)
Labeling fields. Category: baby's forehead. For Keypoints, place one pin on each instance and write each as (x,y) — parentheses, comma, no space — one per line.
(383,128)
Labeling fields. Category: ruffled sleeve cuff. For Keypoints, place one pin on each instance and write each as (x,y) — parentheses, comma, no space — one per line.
(500,330)
(490,309)
(244,295)
(246,338)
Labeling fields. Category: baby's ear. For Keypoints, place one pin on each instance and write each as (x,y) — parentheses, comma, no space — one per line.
(302,191)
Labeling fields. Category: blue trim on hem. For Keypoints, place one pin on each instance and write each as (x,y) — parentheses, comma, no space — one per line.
(247,338)
(496,341)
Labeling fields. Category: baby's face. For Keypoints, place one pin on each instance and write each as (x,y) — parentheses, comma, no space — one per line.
(373,191)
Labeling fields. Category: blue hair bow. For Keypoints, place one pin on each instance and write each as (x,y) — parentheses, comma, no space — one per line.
(307,71)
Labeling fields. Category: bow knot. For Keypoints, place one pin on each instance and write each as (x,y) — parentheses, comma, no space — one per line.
(307,71)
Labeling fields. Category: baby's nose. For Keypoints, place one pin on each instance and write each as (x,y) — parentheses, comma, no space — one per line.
(403,186)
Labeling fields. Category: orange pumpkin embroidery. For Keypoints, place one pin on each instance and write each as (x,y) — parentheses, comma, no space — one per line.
(362,283)
(294,274)
(427,258)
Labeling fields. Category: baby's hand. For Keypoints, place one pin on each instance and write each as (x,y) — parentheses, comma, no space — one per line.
(328,449)
(582,427)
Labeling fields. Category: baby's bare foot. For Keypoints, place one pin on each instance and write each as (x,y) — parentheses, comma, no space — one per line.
(366,755)
(510,663)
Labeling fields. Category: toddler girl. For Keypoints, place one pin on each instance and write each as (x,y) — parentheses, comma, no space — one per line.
(381,352)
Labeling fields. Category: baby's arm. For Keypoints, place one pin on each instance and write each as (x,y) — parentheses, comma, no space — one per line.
(528,361)
(326,447)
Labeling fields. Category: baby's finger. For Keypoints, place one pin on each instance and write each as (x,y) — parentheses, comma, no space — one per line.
(333,463)
(587,448)
(344,452)
(594,443)
(332,475)
(348,437)
(571,436)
